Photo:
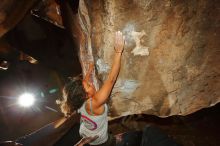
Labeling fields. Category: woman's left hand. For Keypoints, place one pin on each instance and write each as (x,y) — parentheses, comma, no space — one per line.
(119,42)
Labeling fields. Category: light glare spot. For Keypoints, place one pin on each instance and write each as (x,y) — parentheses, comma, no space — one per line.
(26,100)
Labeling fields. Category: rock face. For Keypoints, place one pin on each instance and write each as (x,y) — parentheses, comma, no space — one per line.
(171,63)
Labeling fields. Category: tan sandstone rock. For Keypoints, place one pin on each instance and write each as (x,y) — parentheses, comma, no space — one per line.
(171,63)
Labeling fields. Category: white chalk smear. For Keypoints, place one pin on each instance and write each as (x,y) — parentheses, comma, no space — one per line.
(102,66)
(139,48)
(126,86)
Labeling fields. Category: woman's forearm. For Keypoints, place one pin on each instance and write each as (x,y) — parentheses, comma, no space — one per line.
(119,47)
(115,67)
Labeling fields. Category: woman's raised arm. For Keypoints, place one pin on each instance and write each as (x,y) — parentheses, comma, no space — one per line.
(102,95)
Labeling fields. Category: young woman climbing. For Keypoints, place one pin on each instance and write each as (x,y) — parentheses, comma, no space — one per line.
(91,104)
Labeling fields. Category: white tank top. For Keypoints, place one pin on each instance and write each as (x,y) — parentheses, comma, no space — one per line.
(92,125)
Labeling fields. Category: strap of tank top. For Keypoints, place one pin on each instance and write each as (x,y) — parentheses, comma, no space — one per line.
(91,106)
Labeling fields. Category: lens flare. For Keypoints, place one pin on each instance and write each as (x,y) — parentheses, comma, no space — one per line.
(26,100)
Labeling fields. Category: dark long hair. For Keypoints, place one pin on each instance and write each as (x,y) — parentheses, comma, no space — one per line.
(73,96)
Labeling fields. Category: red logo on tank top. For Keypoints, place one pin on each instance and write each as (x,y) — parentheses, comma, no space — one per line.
(90,124)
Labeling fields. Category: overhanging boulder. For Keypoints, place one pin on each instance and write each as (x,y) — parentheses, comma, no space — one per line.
(170,65)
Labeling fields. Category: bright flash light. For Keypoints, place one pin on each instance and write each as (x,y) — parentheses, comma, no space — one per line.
(26,100)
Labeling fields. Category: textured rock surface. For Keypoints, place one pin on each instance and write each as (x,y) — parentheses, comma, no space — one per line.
(171,60)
